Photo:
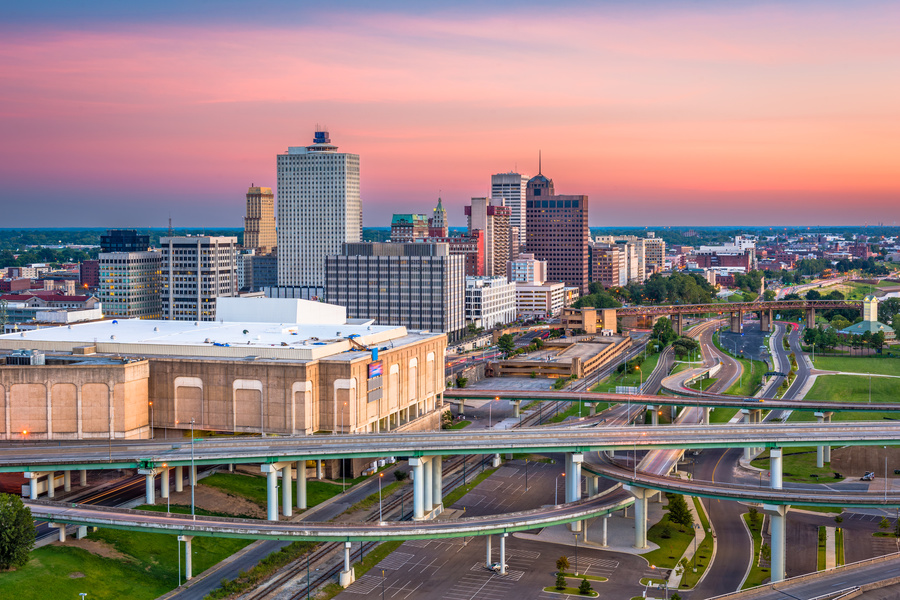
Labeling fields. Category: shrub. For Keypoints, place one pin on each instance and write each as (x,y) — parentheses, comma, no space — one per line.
(585,587)
(560,581)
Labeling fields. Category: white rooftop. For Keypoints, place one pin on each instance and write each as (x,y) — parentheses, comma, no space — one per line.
(231,339)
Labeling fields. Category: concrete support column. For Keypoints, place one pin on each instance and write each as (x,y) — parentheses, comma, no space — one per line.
(775,468)
(318,469)
(678,320)
(301,484)
(820,450)
(487,559)
(428,484)
(640,514)
(654,415)
(604,540)
(62,530)
(287,503)
(179,478)
(81,532)
(746,413)
(150,487)
(777,514)
(51,484)
(810,318)
(437,483)
(164,483)
(503,553)
(496,461)
(33,488)
(573,483)
(272,495)
(516,404)
(347,575)
(83,479)
(187,555)
(704,418)
(418,465)
(67,481)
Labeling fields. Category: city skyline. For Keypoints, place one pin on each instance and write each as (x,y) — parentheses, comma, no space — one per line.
(782,113)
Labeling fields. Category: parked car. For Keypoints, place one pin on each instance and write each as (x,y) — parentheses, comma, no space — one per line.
(869,476)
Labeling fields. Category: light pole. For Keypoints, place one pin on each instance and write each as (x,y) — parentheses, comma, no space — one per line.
(380,518)
(641,375)
(168,498)
(344,460)
(526,476)
(556,488)
(382,584)
(576,553)
(82,594)
(151,418)
(490,415)
(870,388)
(192,476)
(177,541)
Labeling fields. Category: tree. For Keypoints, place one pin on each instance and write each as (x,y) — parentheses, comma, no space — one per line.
(461,381)
(769,295)
(884,523)
(663,331)
(560,581)
(562,564)
(676,596)
(538,343)
(585,588)
(16,532)
(684,346)
(506,343)
(679,512)
(839,519)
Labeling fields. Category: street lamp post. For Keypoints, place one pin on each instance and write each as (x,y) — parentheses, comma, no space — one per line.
(526,475)
(556,489)
(380,517)
(576,553)
(344,460)
(641,385)
(151,418)
(193,476)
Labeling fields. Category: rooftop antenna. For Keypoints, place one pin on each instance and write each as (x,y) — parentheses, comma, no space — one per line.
(540,172)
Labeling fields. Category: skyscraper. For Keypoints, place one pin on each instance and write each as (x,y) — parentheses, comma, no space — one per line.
(319,209)
(259,224)
(557,232)
(511,188)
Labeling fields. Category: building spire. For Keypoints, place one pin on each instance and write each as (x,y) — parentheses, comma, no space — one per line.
(539,163)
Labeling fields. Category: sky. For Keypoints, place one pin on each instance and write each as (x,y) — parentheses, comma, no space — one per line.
(122,114)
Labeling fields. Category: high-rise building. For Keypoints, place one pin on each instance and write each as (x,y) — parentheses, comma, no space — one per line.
(195,271)
(124,240)
(259,224)
(511,188)
(494,221)
(407,228)
(319,209)
(130,284)
(437,225)
(654,253)
(608,265)
(490,301)
(420,286)
(557,232)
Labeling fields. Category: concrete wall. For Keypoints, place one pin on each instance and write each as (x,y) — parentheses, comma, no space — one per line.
(74,401)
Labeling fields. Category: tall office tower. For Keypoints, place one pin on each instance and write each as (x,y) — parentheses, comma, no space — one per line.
(493,219)
(319,209)
(124,240)
(409,228)
(511,188)
(437,225)
(130,283)
(195,271)
(259,224)
(557,232)
(420,286)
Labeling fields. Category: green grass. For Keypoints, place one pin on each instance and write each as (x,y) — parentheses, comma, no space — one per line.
(588,577)
(634,379)
(798,464)
(820,550)
(670,550)
(47,575)
(460,425)
(747,383)
(852,388)
(575,408)
(839,547)
(573,591)
(454,496)
(651,581)
(372,499)
(758,575)
(703,555)
(722,415)
(371,559)
(880,365)
(253,488)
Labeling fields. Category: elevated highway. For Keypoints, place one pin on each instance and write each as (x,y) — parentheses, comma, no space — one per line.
(150,454)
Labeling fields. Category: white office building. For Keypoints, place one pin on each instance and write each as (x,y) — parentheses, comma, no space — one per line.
(511,187)
(490,301)
(195,271)
(319,209)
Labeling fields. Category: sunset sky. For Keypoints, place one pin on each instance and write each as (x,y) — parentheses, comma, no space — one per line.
(665,113)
